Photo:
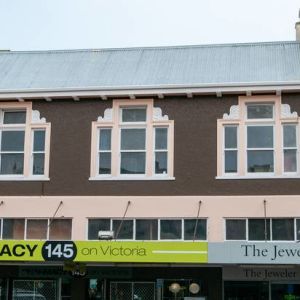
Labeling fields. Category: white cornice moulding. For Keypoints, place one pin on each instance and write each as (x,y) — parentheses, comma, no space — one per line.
(108,114)
(36,118)
(286,112)
(234,113)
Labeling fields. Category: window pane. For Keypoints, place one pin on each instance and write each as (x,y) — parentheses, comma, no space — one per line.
(260,136)
(38,163)
(256,229)
(161,163)
(133,139)
(133,163)
(60,229)
(13,229)
(105,139)
(230,137)
(12,163)
(230,161)
(189,228)
(104,163)
(95,225)
(37,229)
(260,111)
(289,136)
(170,229)
(290,160)
(298,229)
(146,229)
(161,138)
(12,141)
(260,161)
(235,229)
(283,229)
(133,114)
(39,140)
(125,231)
(14,117)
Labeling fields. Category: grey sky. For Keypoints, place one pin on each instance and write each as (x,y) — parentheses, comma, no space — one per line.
(69,24)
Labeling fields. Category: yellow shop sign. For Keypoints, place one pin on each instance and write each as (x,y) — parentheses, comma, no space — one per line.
(104,251)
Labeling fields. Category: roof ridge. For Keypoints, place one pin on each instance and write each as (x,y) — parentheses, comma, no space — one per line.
(150,47)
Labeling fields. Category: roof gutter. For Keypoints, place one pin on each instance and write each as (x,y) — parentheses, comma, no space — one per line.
(131,91)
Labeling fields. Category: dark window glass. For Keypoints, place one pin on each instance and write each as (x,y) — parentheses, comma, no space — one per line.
(105,139)
(134,114)
(161,162)
(260,161)
(289,135)
(257,228)
(133,162)
(36,229)
(12,163)
(123,230)
(298,229)
(95,225)
(230,137)
(230,161)
(13,229)
(14,117)
(260,137)
(170,229)
(133,139)
(189,229)
(60,229)
(104,163)
(38,163)
(12,141)
(235,229)
(146,229)
(283,229)
(161,138)
(260,111)
(39,140)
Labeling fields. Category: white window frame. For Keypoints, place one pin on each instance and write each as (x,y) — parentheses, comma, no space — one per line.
(33,122)
(238,117)
(113,119)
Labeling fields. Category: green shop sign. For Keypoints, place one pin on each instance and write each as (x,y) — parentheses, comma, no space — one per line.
(104,251)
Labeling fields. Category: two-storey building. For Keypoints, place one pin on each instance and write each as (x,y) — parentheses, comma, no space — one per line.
(151,173)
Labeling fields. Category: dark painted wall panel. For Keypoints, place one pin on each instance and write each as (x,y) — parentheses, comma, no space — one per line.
(195,152)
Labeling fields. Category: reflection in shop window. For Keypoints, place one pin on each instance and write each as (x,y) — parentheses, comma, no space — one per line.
(36,229)
(146,229)
(123,229)
(235,229)
(283,229)
(194,229)
(258,229)
(13,229)
(170,229)
(60,229)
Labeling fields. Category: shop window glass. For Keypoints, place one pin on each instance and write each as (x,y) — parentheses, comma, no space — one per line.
(146,229)
(60,229)
(170,229)
(13,229)
(123,230)
(258,229)
(95,225)
(36,229)
(283,229)
(235,229)
(189,229)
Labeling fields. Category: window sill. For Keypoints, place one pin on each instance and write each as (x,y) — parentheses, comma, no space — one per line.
(235,177)
(23,178)
(131,178)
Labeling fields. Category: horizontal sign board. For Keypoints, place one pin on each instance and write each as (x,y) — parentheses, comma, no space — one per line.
(254,253)
(104,251)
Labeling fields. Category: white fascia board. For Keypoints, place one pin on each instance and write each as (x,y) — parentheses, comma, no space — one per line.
(150,90)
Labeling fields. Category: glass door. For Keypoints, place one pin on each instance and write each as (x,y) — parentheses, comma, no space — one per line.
(285,291)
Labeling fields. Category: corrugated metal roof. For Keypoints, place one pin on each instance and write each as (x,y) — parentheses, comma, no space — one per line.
(155,67)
